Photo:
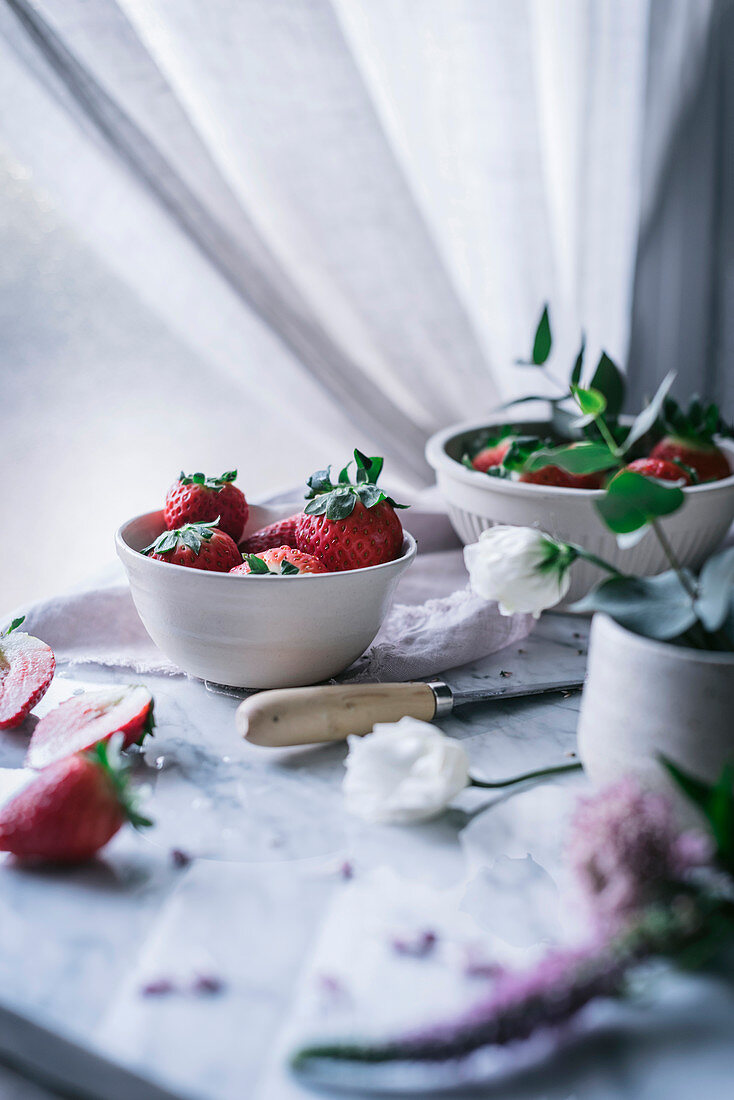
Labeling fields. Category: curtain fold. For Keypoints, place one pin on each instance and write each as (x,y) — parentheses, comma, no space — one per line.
(684,278)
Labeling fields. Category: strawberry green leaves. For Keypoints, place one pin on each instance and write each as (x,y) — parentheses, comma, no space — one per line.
(632,501)
(192,535)
(215,483)
(258,567)
(592,404)
(337,502)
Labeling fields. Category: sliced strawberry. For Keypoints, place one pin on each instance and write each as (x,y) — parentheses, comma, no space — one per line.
(26,670)
(279,561)
(69,811)
(282,533)
(491,455)
(88,719)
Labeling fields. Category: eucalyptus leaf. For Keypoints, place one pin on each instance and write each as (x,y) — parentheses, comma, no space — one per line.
(632,500)
(609,380)
(656,607)
(715,589)
(576,458)
(646,419)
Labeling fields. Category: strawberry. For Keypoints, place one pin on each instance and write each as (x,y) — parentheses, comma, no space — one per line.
(280,561)
(69,811)
(84,720)
(197,545)
(690,439)
(26,670)
(350,525)
(491,455)
(282,533)
(554,475)
(663,470)
(195,497)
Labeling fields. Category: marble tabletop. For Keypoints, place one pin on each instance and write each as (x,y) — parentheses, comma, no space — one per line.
(271,915)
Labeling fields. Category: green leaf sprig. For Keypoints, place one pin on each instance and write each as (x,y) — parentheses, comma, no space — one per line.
(13,626)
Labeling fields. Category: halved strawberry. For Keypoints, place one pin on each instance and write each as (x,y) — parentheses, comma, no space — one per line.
(282,533)
(491,455)
(196,498)
(26,670)
(280,561)
(70,810)
(88,719)
(690,439)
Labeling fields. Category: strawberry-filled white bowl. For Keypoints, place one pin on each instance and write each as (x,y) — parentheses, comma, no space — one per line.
(476,501)
(256,631)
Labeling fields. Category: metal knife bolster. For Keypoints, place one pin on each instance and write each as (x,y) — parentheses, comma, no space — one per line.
(446,698)
(443,696)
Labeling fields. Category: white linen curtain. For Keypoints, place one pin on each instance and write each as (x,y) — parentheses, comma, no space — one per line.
(257,232)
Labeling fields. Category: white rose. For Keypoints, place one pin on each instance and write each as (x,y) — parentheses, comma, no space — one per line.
(403,771)
(523,569)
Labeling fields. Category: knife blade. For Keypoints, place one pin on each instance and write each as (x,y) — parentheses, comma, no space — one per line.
(311,715)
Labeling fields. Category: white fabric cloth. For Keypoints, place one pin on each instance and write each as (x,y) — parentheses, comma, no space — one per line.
(419,638)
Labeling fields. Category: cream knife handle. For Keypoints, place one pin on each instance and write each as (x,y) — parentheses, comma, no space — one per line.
(308,715)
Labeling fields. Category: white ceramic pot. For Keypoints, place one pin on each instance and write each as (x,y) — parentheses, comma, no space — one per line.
(256,631)
(644,697)
(476,502)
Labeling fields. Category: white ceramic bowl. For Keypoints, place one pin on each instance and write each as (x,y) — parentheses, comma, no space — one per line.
(256,632)
(476,502)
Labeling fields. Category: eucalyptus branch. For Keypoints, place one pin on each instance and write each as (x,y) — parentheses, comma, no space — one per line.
(672,557)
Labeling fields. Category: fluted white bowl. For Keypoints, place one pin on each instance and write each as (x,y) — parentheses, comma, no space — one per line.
(475,502)
(256,631)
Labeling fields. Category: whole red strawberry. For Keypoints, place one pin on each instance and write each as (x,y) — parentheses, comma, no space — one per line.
(281,561)
(69,811)
(195,497)
(350,525)
(282,533)
(197,545)
(690,438)
(663,470)
(491,455)
(26,670)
